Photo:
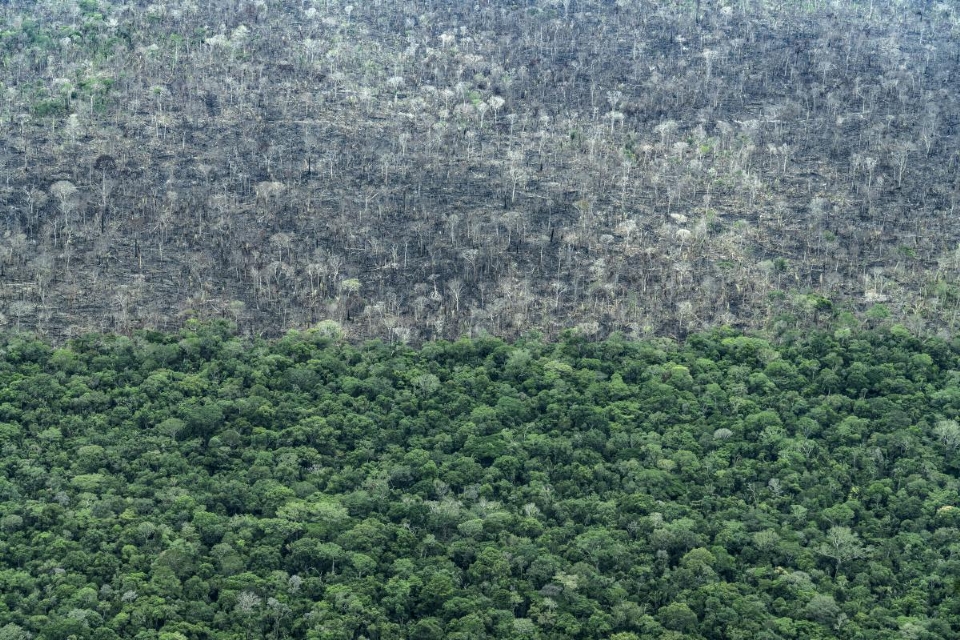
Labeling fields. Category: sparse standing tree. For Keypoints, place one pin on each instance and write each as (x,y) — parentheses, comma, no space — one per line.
(842,545)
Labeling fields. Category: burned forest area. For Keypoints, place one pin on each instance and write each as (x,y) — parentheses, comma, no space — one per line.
(421,170)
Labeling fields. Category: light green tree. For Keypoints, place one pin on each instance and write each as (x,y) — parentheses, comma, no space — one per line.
(842,545)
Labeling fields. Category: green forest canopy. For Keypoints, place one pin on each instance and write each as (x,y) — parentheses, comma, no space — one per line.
(200,486)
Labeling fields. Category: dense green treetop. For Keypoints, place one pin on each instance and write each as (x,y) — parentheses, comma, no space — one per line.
(197,486)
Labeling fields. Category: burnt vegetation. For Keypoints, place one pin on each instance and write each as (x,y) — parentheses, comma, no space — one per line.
(415,170)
